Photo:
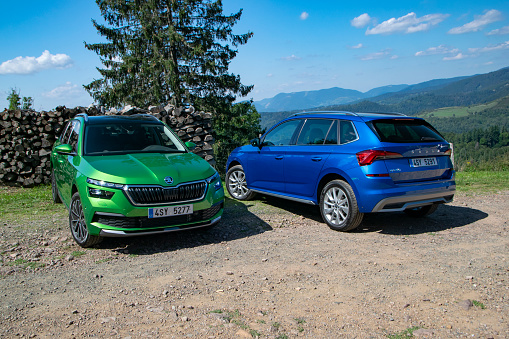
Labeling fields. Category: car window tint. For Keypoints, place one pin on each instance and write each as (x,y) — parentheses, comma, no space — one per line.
(130,138)
(332,136)
(347,132)
(75,132)
(314,131)
(405,131)
(282,134)
(67,131)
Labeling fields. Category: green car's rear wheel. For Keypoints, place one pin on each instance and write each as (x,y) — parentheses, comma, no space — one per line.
(78,225)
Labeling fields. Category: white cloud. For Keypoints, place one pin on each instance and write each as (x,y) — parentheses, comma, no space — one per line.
(500,31)
(361,21)
(30,65)
(479,22)
(442,49)
(409,23)
(492,48)
(64,91)
(377,55)
(291,58)
(304,15)
(357,46)
(458,56)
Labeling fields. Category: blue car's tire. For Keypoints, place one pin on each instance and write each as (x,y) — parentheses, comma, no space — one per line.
(236,184)
(338,206)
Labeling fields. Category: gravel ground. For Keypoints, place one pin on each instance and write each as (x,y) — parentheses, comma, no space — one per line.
(270,269)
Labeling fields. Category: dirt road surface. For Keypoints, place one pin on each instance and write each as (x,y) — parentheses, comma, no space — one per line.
(270,269)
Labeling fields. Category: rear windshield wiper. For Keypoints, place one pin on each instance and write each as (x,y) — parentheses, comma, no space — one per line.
(429,139)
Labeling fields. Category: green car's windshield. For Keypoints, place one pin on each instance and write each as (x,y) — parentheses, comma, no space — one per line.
(123,138)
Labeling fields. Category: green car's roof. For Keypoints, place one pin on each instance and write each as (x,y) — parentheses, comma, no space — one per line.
(107,119)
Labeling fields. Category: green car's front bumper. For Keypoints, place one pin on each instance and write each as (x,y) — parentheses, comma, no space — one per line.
(117,212)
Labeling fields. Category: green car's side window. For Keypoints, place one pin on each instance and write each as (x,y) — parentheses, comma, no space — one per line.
(75,133)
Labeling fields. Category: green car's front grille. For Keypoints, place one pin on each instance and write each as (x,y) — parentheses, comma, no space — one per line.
(157,195)
(145,222)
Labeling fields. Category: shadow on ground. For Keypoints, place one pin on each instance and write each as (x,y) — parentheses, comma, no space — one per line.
(395,223)
(237,222)
(446,217)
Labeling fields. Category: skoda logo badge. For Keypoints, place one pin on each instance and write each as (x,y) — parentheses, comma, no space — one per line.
(168,180)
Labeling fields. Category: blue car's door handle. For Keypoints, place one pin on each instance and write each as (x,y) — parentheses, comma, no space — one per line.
(279,157)
(316,159)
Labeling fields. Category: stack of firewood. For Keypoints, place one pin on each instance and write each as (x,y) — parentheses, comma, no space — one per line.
(27,137)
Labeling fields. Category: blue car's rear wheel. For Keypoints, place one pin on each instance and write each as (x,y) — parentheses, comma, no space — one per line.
(338,206)
(78,225)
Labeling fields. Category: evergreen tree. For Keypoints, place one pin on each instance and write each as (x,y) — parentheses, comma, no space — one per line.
(13,99)
(159,50)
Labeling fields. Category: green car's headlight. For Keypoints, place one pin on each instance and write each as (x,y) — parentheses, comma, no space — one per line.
(215,178)
(104,184)
(99,193)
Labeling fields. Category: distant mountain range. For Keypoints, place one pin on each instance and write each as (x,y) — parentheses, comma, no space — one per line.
(408,99)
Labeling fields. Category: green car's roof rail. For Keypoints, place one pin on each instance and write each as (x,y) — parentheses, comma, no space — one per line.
(84,115)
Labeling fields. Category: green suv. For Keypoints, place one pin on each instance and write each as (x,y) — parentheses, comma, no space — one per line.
(131,175)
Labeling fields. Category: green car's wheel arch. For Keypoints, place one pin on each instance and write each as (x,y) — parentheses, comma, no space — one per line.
(78,225)
(338,206)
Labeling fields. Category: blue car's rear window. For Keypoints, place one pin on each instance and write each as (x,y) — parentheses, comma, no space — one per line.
(405,131)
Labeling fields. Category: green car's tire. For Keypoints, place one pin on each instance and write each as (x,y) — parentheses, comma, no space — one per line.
(54,190)
(78,225)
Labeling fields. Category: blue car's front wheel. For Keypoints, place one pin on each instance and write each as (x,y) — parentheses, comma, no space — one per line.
(236,184)
(338,206)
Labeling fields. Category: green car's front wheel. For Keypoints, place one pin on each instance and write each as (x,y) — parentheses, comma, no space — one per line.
(78,225)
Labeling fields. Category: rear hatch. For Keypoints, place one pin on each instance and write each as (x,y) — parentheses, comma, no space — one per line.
(415,150)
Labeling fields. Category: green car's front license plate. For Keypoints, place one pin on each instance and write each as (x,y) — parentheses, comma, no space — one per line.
(159,212)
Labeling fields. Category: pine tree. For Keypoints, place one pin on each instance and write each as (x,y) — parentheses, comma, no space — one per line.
(161,51)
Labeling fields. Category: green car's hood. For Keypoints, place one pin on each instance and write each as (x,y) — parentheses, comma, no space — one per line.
(146,168)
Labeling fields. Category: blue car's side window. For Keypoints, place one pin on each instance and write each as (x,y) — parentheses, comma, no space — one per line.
(314,132)
(282,134)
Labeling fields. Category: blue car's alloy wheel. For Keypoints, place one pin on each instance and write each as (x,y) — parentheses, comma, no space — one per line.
(339,206)
(236,184)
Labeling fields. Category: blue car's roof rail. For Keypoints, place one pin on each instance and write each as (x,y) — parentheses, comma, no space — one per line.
(348,113)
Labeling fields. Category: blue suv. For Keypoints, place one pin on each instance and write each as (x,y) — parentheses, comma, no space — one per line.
(348,164)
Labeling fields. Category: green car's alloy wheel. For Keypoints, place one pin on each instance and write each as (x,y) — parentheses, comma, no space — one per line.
(338,206)
(236,184)
(78,225)
(54,189)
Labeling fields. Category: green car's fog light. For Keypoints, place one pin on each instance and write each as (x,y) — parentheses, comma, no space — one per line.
(218,185)
(101,194)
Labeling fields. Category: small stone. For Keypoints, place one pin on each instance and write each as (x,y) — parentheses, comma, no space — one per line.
(466,304)
(69,257)
(184,319)
(243,334)
(229,273)
(423,332)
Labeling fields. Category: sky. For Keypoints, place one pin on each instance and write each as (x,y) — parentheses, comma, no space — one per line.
(296,46)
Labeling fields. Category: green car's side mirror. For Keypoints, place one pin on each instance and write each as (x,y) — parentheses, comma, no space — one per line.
(65,149)
(190,145)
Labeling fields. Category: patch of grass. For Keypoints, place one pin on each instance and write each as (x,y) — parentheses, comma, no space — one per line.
(25,263)
(18,262)
(78,254)
(100,261)
(260,321)
(408,333)
(216,311)
(276,325)
(481,181)
(282,336)
(478,304)
(23,203)
(300,321)
(254,333)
